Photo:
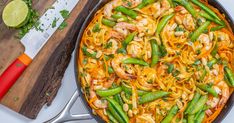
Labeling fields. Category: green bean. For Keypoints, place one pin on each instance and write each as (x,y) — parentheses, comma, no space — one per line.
(118,98)
(199,104)
(170,68)
(163,23)
(84,50)
(217,28)
(199,31)
(118,108)
(200,117)
(193,102)
(151,96)
(230,76)
(155,53)
(145,3)
(208,89)
(173,111)
(109,92)
(163,50)
(215,50)
(126,11)
(111,117)
(204,72)
(135,61)
(128,90)
(187,6)
(191,119)
(108,22)
(211,63)
(205,107)
(115,113)
(208,17)
(128,39)
(119,17)
(205,8)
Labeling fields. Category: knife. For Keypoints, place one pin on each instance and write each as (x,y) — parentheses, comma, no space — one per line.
(33,41)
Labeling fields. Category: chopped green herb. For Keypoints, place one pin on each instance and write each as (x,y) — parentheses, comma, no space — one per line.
(96,28)
(110,70)
(65,14)
(54,23)
(63,25)
(108,45)
(129,4)
(178,29)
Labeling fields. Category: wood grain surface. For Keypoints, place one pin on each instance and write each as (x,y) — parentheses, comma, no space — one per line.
(40,82)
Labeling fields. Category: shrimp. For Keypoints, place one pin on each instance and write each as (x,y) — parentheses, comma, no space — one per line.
(108,8)
(161,7)
(98,103)
(135,49)
(146,23)
(132,3)
(224,93)
(116,35)
(123,27)
(205,40)
(116,64)
(113,48)
(188,22)
(109,82)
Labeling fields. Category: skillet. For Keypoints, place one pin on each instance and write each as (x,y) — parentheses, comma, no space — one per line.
(66,116)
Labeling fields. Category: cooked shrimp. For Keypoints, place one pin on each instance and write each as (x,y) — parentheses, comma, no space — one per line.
(135,49)
(116,64)
(205,40)
(188,22)
(131,3)
(108,8)
(98,103)
(116,35)
(113,48)
(146,25)
(109,82)
(161,7)
(224,92)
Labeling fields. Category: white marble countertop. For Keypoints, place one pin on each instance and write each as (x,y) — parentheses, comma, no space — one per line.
(67,89)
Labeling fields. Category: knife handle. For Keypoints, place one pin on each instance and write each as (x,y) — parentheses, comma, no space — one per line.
(12,73)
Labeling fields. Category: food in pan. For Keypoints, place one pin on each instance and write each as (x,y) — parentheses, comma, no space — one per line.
(150,61)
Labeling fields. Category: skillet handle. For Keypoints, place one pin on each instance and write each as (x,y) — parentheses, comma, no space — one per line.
(65,114)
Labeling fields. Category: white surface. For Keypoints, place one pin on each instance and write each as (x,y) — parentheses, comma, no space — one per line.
(66,91)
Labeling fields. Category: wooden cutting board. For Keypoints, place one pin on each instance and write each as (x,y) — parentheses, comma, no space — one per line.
(40,82)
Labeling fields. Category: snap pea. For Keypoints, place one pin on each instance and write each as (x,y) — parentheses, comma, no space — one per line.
(211,63)
(128,90)
(208,17)
(215,50)
(111,117)
(205,8)
(155,53)
(170,68)
(128,39)
(199,104)
(204,72)
(115,113)
(183,121)
(193,102)
(118,108)
(108,22)
(84,50)
(200,117)
(173,111)
(109,92)
(208,89)
(126,11)
(199,31)
(187,6)
(151,96)
(163,23)
(205,107)
(230,76)
(119,16)
(145,3)
(191,119)
(135,61)
(118,98)
(216,28)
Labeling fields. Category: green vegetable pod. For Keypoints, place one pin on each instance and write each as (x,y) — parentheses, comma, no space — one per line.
(108,22)
(199,31)
(111,117)
(135,61)
(115,113)
(128,90)
(163,23)
(193,102)
(144,3)
(155,53)
(109,92)
(173,111)
(208,89)
(151,96)
(199,104)
(118,108)
(229,75)
(126,11)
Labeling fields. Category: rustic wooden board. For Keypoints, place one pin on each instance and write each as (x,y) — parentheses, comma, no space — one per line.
(40,82)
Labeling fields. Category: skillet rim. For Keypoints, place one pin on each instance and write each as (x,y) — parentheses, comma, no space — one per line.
(227,108)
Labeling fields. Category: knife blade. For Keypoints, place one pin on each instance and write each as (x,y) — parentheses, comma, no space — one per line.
(33,41)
